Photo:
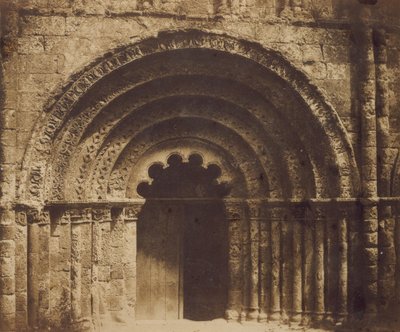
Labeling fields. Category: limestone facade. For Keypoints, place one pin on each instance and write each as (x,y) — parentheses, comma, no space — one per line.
(111,112)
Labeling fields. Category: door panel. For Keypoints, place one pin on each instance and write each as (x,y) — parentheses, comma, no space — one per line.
(205,269)
(158,262)
(181,261)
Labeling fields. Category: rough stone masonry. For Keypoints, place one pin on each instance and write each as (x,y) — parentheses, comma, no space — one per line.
(169,160)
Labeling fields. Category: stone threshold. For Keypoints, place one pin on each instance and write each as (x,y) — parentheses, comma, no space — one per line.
(219,325)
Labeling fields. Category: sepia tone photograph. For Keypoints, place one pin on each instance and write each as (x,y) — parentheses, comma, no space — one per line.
(199,165)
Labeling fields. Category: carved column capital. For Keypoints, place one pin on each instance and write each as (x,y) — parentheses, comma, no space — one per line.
(131,213)
(101,214)
(80,215)
(299,212)
(36,216)
(256,209)
(234,209)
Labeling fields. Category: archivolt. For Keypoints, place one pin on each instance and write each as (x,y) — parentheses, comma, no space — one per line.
(65,129)
(262,142)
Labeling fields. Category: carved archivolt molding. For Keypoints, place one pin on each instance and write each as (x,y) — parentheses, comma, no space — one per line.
(65,123)
(220,110)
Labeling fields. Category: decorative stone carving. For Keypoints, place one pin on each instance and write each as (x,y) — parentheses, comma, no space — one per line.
(101,214)
(36,216)
(174,41)
(256,213)
(234,212)
(132,212)
(80,215)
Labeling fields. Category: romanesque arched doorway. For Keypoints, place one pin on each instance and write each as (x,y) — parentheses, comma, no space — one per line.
(182,244)
(240,106)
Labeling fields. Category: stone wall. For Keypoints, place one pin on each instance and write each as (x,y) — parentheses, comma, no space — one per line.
(46,45)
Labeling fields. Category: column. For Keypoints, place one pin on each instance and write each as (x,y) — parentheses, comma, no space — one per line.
(43,271)
(319,278)
(21,269)
(265,267)
(99,215)
(60,268)
(131,215)
(234,213)
(7,270)
(256,214)
(370,256)
(33,269)
(308,265)
(80,286)
(286,265)
(117,303)
(299,215)
(396,210)
(331,266)
(384,167)
(342,289)
(362,34)
(275,215)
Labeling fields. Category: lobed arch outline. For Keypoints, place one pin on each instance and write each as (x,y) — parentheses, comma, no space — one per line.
(38,157)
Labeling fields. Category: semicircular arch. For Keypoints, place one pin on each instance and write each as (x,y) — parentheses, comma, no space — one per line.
(51,130)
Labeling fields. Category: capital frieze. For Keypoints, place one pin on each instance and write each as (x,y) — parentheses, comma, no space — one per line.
(80,215)
(101,214)
(256,209)
(234,209)
(36,216)
(131,213)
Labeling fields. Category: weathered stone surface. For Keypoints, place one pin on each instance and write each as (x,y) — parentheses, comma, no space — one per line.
(284,101)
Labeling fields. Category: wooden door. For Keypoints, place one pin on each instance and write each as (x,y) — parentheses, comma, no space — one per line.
(159,278)
(205,260)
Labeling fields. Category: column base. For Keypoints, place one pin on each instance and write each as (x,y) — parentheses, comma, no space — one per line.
(284,317)
(296,318)
(263,317)
(231,315)
(306,319)
(275,316)
(318,316)
(243,315)
(253,314)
